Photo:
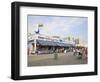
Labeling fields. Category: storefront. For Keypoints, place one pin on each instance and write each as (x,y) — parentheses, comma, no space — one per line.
(48,47)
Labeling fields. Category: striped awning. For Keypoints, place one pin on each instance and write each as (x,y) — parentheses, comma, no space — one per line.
(53,43)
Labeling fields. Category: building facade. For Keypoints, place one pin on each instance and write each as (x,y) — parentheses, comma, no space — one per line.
(42,44)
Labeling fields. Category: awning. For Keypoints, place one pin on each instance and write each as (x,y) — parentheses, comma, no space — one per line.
(46,43)
(52,43)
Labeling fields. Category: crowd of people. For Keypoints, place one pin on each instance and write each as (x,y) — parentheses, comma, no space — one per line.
(80,52)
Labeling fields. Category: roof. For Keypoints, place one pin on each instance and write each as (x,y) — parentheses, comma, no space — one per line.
(52,43)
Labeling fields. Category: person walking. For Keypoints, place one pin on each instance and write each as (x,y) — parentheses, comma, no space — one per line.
(86,52)
(75,52)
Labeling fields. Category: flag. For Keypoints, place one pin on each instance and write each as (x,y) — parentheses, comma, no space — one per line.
(40,25)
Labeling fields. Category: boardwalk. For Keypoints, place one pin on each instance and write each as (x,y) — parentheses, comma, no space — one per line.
(48,59)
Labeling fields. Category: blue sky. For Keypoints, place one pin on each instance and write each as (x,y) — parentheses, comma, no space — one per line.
(59,25)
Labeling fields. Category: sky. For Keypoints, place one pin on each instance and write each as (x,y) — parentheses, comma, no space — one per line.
(59,26)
